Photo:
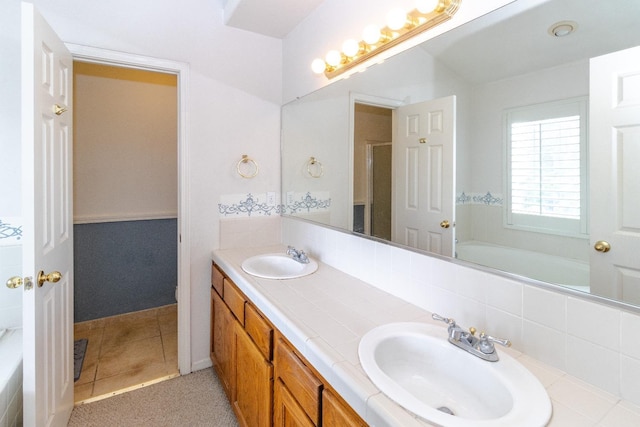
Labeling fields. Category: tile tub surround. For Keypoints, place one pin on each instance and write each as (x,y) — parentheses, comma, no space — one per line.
(558,329)
(325,314)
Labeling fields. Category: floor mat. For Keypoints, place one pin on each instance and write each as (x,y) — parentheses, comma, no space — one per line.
(79,350)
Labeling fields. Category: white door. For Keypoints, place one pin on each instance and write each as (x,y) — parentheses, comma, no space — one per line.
(424,175)
(48,233)
(614,153)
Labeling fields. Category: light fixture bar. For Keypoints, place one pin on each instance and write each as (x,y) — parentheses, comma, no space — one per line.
(417,23)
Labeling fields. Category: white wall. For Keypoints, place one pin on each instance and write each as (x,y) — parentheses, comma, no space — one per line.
(233,105)
(10,110)
(125,144)
(334,21)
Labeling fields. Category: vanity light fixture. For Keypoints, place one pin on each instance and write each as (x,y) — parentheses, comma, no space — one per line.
(400,27)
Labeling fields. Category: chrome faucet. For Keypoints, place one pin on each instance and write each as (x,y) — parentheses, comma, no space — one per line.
(481,346)
(297,255)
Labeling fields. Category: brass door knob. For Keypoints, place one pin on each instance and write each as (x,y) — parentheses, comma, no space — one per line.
(445,224)
(14,282)
(602,246)
(52,277)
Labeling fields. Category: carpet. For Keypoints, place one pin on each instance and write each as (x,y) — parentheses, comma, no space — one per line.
(195,400)
(79,350)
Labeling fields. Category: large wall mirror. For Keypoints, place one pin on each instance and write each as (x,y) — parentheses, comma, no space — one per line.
(486,144)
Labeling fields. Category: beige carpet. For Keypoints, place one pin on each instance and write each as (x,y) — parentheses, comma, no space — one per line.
(193,400)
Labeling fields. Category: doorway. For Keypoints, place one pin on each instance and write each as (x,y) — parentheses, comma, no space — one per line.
(127,225)
(372,164)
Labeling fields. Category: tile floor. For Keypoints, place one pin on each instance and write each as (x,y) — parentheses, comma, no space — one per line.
(127,351)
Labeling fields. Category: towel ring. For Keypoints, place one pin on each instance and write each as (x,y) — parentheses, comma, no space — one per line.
(319,170)
(250,161)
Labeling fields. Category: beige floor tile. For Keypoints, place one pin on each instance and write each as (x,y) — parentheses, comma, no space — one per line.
(82,391)
(118,334)
(130,378)
(94,343)
(129,357)
(88,325)
(168,323)
(88,373)
(127,350)
(170,347)
(171,309)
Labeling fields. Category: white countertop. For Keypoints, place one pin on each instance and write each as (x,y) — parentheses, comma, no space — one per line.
(325,314)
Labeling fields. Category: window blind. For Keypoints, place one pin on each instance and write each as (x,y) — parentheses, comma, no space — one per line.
(545,167)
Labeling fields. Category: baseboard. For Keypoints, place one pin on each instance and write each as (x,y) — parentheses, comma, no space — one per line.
(201,364)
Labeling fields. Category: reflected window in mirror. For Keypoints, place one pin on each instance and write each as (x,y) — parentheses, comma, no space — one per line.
(546,147)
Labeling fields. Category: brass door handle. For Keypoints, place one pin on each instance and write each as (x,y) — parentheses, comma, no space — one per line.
(14,282)
(58,110)
(17,281)
(602,246)
(445,224)
(52,277)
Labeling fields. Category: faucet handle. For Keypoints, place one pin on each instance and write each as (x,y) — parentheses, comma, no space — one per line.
(447,320)
(487,341)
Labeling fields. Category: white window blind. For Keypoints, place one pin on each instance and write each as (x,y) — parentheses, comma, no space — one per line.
(545,167)
(546,183)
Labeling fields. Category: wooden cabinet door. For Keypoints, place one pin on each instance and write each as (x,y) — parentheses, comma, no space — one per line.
(254,383)
(223,337)
(336,413)
(287,411)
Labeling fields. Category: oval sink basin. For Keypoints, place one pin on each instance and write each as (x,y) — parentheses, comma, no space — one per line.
(415,365)
(277,266)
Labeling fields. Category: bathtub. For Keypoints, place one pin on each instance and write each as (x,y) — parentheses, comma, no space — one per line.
(547,268)
(11,377)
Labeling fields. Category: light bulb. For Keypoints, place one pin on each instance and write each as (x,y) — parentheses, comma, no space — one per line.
(371,34)
(396,19)
(318,66)
(426,6)
(333,58)
(351,48)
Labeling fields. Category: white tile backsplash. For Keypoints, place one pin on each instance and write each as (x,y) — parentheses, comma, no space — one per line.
(629,332)
(630,379)
(595,323)
(594,364)
(545,307)
(582,337)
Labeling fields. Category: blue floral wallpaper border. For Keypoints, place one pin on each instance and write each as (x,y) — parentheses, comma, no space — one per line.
(240,205)
(10,231)
(487,198)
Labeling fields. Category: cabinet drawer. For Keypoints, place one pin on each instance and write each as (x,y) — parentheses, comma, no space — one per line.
(299,380)
(260,331)
(216,279)
(234,300)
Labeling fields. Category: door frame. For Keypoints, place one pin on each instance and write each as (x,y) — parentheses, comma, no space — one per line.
(181,70)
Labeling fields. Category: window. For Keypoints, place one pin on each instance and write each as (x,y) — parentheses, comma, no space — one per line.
(546,167)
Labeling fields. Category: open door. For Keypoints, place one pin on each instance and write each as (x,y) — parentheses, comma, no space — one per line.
(48,223)
(614,152)
(424,175)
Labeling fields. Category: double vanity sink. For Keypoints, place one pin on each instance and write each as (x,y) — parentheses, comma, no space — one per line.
(415,365)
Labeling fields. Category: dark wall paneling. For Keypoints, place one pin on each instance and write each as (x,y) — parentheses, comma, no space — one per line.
(124,266)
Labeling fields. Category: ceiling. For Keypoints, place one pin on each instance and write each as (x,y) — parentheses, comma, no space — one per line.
(273,18)
(484,51)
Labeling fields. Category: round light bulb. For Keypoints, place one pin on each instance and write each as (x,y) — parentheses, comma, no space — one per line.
(351,48)
(371,34)
(318,66)
(426,6)
(333,58)
(396,19)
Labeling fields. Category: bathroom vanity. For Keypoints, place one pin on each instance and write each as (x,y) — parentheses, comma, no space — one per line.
(266,379)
